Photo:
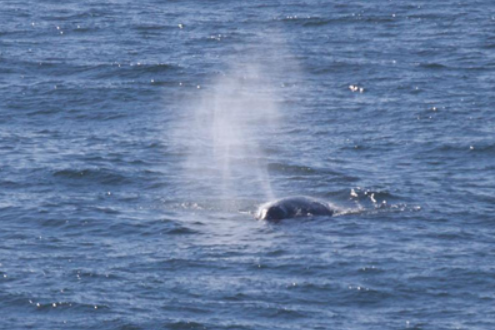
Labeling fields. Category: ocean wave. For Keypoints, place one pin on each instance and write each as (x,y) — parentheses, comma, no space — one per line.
(45,304)
(94,70)
(186,325)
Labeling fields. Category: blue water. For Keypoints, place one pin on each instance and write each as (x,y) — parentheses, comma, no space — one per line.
(127,200)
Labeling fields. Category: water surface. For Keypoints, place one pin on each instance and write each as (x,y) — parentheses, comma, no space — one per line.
(138,138)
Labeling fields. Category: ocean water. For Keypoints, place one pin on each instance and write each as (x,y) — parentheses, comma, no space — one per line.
(137,139)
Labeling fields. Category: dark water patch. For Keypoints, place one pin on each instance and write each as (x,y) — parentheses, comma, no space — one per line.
(13,184)
(236,297)
(31,303)
(371,270)
(183,325)
(59,68)
(50,222)
(272,266)
(346,66)
(187,308)
(284,313)
(276,253)
(316,21)
(313,293)
(482,148)
(151,228)
(433,66)
(150,27)
(103,176)
(172,264)
(453,236)
(295,171)
(15,300)
(93,275)
(378,19)
(44,306)
(44,112)
(138,70)
(438,15)
(368,297)
(462,148)
(182,231)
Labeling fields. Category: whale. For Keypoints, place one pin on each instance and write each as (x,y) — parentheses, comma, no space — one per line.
(293,207)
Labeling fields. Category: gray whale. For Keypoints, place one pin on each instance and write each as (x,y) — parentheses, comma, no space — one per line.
(293,207)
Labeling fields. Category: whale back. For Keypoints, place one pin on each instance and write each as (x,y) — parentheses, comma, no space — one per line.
(294,207)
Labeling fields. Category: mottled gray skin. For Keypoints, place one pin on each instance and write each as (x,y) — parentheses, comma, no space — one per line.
(293,207)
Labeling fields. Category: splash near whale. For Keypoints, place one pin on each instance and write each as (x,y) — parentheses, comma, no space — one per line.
(294,207)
